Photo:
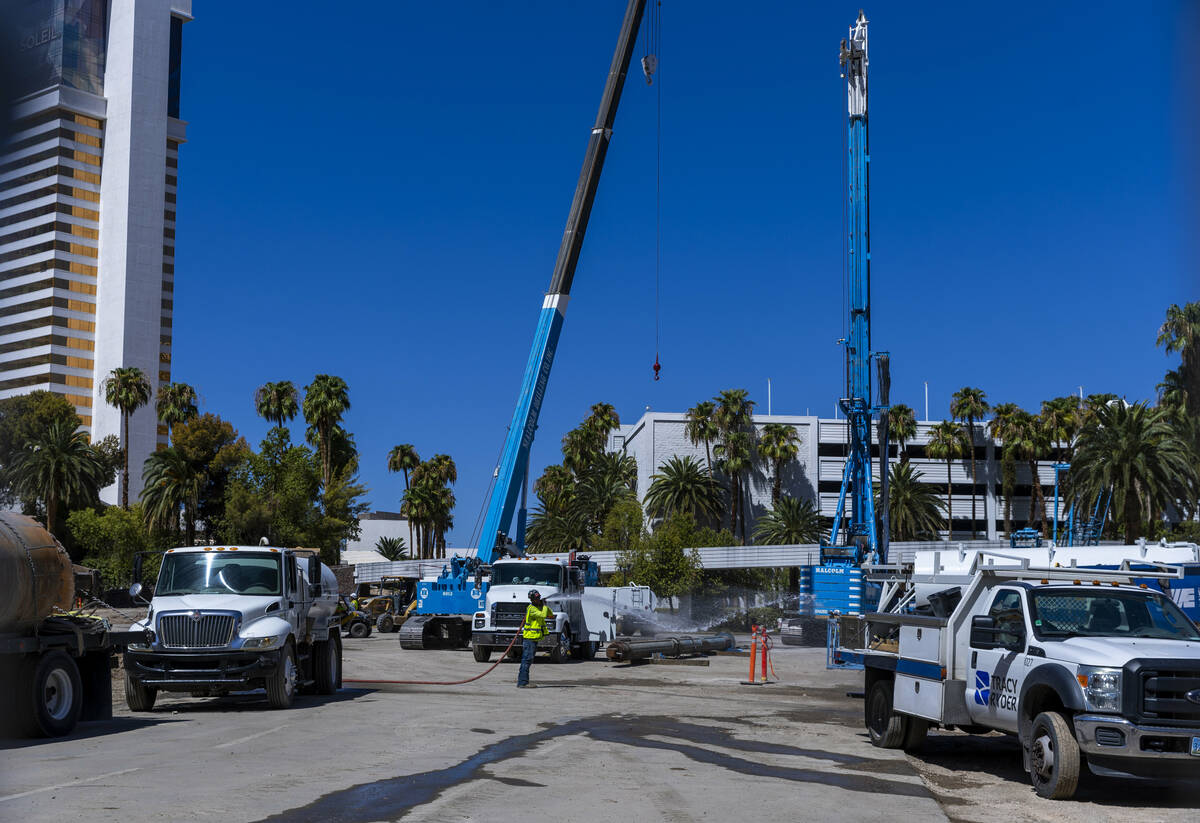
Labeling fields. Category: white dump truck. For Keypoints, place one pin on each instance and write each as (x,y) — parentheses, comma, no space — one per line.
(230,619)
(1082,665)
(586,614)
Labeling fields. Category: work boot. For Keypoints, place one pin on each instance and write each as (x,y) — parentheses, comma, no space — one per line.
(528,686)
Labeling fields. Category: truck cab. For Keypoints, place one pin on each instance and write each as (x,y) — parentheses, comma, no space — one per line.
(236,618)
(1084,666)
(584,612)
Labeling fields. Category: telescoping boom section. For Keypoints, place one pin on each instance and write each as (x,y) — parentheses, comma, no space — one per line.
(514,459)
(853,536)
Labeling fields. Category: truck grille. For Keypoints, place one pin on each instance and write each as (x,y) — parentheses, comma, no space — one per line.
(182,631)
(1163,689)
(508,615)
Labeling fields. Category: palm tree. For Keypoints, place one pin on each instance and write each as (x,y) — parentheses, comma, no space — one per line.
(701,428)
(127,390)
(946,442)
(1180,332)
(902,423)
(276,402)
(172,482)
(914,508)
(1060,418)
(326,399)
(1000,429)
(1134,451)
(968,405)
(58,467)
(790,521)
(682,484)
(603,418)
(1030,442)
(391,547)
(734,418)
(779,444)
(404,458)
(176,403)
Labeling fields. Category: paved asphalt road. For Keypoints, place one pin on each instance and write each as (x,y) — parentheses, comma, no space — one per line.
(597,741)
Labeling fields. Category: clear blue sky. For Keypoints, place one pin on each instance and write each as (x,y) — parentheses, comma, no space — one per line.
(379,192)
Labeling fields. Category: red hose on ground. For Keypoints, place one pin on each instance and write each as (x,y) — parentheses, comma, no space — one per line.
(439,682)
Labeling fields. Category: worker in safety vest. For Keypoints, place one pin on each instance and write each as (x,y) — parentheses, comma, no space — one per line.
(536,615)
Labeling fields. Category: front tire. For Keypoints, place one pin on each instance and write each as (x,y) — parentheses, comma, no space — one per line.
(281,685)
(1053,757)
(56,689)
(888,730)
(386,623)
(561,653)
(139,698)
(482,654)
(360,629)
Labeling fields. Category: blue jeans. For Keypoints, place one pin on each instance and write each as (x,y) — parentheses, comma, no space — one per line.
(528,650)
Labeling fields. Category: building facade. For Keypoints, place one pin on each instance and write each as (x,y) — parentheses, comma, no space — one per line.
(816,473)
(88,184)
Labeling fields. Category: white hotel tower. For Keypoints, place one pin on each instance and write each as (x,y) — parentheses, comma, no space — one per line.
(88,181)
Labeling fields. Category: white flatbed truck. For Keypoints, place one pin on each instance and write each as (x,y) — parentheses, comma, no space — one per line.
(1084,666)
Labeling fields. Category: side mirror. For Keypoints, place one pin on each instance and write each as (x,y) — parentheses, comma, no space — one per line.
(136,588)
(137,572)
(983,632)
(1017,643)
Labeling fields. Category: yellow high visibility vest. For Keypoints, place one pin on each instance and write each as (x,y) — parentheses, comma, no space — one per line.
(535,622)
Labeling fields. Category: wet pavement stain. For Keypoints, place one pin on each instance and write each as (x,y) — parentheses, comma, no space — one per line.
(392,798)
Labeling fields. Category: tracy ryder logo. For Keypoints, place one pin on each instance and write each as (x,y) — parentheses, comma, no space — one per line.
(983,687)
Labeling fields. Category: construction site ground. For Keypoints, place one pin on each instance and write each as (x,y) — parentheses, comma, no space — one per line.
(597,741)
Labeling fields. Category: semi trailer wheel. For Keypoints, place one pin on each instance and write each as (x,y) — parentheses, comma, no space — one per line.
(327,665)
(1053,757)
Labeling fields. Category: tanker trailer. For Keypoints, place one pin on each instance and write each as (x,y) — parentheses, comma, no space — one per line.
(55,667)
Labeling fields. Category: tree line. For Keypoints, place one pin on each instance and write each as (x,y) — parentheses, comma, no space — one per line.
(1144,457)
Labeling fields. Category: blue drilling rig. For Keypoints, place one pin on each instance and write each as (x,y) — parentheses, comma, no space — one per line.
(854,537)
(445,605)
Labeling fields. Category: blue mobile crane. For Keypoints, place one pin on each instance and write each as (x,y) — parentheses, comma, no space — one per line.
(444,606)
(854,537)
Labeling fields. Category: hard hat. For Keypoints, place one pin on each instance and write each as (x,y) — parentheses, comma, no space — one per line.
(534,594)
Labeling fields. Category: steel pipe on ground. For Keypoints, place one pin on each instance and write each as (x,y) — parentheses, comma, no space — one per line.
(681,645)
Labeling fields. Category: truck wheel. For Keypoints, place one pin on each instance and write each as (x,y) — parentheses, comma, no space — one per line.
(482,653)
(585,650)
(888,730)
(281,685)
(327,664)
(360,629)
(514,654)
(139,698)
(1053,757)
(54,684)
(386,623)
(562,652)
(918,730)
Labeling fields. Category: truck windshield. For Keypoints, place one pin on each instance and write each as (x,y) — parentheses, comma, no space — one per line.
(520,574)
(1062,613)
(211,573)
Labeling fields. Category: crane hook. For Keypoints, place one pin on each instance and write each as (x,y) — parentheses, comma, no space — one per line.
(657,366)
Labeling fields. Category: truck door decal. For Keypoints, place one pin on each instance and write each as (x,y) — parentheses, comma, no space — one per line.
(983,687)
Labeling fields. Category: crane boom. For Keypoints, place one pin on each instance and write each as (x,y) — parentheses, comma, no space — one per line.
(859,521)
(512,472)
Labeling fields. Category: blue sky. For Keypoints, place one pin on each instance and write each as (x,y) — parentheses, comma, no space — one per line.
(379,192)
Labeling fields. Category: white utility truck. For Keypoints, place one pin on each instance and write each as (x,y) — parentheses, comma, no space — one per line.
(586,614)
(1083,665)
(237,618)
